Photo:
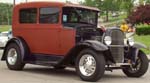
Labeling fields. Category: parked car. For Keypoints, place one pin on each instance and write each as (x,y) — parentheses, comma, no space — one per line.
(4,37)
(115,14)
(62,34)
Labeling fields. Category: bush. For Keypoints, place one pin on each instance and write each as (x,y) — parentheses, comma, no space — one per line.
(140,15)
(143,30)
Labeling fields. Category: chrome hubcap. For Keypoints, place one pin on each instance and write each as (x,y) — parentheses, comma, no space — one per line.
(12,56)
(87,65)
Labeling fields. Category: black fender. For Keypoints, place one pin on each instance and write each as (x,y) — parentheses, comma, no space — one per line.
(92,44)
(139,45)
(96,45)
(135,49)
(22,45)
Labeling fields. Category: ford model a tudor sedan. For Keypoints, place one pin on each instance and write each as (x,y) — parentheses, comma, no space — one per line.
(60,35)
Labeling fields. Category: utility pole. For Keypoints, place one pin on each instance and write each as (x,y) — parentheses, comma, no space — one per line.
(26,1)
(14,2)
(8,20)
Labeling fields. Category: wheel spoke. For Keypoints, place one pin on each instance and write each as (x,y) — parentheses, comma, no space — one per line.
(12,56)
(87,65)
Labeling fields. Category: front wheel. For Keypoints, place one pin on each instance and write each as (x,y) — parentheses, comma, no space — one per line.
(139,68)
(90,65)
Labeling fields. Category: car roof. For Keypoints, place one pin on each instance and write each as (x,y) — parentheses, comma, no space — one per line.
(57,4)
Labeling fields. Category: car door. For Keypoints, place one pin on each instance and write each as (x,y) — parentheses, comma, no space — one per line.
(39,27)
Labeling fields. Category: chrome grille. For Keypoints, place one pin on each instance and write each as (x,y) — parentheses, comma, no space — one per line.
(117,50)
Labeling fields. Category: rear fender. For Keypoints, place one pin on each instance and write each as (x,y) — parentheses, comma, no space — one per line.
(22,45)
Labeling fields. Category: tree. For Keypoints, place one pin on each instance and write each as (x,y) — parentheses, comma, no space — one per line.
(127,5)
(140,15)
(104,5)
(6,13)
(147,1)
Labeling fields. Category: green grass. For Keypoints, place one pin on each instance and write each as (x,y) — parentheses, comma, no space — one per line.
(4,28)
(115,21)
(145,39)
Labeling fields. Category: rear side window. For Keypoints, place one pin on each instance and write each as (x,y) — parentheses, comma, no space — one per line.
(49,15)
(28,15)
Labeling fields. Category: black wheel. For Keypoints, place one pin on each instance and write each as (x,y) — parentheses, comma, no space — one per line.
(139,68)
(90,65)
(13,57)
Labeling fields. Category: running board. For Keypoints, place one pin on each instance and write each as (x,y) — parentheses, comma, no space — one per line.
(119,65)
(43,63)
(45,60)
(116,66)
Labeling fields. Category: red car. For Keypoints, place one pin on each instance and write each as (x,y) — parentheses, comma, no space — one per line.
(61,34)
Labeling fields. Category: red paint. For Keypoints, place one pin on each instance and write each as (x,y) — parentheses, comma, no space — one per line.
(44,38)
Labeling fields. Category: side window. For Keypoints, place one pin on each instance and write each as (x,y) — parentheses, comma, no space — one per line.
(28,15)
(49,15)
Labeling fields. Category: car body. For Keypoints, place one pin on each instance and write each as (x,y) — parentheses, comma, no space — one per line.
(63,34)
(4,37)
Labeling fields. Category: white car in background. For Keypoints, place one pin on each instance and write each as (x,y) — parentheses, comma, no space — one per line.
(4,37)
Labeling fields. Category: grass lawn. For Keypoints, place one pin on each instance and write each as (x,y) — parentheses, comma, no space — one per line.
(113,21)
(120,17)
(4,27)
(145,39)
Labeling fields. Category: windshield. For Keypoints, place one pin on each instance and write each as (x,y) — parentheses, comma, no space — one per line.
(79,15)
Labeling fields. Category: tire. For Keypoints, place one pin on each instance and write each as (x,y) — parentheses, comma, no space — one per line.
(99,66)
(13,50)
(142,69)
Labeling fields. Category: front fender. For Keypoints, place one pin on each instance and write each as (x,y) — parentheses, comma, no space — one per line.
(96,45)
(139,45)
(93,44)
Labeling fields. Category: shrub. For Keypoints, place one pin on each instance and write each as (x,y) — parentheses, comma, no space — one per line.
(143,30)
(140,14)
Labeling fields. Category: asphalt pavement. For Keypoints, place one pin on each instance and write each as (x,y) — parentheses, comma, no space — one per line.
(42,74)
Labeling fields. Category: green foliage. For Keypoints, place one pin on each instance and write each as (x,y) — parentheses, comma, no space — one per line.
(143,30)
(140,15)
(5,13)
(127,5)
(110,5)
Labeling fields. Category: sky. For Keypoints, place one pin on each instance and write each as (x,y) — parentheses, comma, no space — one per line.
(21,1)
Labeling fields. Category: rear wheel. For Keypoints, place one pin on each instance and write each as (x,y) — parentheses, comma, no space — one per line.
(139,68)
(90,65)
(13,57)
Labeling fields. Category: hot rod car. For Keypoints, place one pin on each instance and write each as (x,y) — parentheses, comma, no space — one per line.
(64,34)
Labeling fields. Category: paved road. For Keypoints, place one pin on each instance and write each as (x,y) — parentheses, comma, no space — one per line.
(40,74)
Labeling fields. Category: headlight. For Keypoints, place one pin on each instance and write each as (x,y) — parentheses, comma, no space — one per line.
(107,40)
(131,41)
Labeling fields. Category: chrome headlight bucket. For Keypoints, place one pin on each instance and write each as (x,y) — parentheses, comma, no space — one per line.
(131,41)
(107,40)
